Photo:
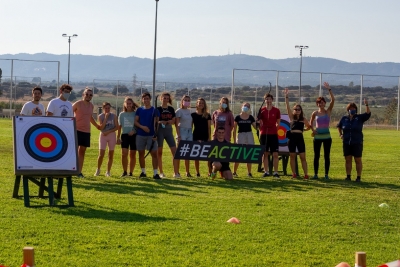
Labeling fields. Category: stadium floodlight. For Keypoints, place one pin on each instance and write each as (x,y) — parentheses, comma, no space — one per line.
(301,47)
(154,60)
(69,49)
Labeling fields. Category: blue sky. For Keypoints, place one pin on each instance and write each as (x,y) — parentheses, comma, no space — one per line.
(349,30)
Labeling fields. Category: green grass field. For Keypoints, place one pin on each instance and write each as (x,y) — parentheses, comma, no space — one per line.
(182,222)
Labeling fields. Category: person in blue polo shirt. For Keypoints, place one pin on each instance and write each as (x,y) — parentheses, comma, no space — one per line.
(350,131)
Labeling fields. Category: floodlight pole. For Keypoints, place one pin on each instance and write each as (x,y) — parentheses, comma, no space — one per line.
(154,60)
(301,47)
(69,49)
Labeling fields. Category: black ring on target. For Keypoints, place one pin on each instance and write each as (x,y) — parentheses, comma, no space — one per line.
(283,128)
(56,142)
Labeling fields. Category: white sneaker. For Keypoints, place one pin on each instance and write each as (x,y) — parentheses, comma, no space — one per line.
(162,175)
(97,173)
(108,174)
(177,175)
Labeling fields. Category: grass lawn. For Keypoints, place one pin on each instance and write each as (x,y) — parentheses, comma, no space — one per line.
(182,222)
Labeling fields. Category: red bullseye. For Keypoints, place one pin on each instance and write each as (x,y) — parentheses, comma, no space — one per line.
(45,142)
(281,132)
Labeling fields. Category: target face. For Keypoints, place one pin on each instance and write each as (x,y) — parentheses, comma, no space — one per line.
(283,128)
(43,144)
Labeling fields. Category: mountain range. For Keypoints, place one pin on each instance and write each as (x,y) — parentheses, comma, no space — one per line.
(199,70)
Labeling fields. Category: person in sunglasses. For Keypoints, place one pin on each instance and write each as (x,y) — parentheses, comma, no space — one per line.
(83,112)
(321,134)
(298,123)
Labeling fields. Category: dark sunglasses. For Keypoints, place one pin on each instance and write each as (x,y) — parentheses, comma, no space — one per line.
(88,95)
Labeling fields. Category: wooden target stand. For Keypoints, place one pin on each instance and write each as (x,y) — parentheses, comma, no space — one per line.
(45,135)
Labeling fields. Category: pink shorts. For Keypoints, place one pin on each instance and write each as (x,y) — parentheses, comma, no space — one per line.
(110,139)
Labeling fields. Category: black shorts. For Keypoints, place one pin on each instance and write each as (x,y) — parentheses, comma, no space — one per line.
(296,143)
(224,166)
(270,141)
(128,141)
(353,150)
(83,138)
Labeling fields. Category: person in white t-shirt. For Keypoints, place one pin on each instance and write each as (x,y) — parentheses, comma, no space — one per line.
(34,108)
(60,106)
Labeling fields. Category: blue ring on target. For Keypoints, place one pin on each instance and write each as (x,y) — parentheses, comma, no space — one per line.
(31,148)
(285,126)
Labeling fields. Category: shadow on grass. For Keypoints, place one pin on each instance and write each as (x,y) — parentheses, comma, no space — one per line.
(87,211)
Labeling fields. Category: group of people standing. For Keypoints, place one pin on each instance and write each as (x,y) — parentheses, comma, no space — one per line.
(141,128)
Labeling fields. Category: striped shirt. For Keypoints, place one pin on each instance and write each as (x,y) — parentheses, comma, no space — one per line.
(322,127)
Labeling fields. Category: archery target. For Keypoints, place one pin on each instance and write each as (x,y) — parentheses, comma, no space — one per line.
(283,128)
(45,143)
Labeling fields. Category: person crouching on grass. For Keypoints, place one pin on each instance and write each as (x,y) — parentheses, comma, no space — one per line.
(350,131)
(146,122)
(222,167)
(296,140)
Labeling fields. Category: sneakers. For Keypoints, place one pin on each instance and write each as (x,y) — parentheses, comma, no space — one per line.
(162,175)
(276,176)
(198,175)
(294,176)
(156,177)
(234,174)
(130,174)
(80,175)
(358,180)
(188,175)
(327,177)
(315,177)
(249,175)
(348,179)
(266,174)
(97,173)
(124,174)
(306,177)
(177,175)
(108,174)
(212,175)
(142,175)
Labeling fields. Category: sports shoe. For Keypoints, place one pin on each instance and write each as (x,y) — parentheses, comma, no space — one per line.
(306,177)
(266,174)
(142,175)
(124,174)
(315,177)
(97,173)
(212,175)
(294,176)
(276,176)
(327,177)
(80,175)
(177,175)
(108,174)
(162,175)
(198,175)
(358,180)
(130,174)
(188,175)
(347,179)
(156,176)
(234,174)
(250,175)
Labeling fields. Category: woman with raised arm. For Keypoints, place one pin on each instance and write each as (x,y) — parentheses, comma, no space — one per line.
(298,123)
(184,122)
(321,133)
(244,121)
(202,128)
(167,119)
(108,125)
(350,131)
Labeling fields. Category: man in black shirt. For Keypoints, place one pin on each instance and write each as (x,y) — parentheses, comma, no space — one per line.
(222,167)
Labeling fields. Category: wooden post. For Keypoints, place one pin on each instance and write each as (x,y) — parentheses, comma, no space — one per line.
(29,258)
(361,259)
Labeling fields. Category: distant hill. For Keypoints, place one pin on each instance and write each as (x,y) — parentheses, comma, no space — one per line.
(206,70)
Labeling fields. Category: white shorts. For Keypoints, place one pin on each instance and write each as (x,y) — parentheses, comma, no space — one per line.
(245,138)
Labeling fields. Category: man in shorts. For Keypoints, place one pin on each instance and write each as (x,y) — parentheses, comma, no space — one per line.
(222,167)
(83,111)
(34,108)
(146,121)
(269,119)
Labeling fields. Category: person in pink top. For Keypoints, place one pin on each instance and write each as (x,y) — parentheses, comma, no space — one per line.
(269,119)
(223,117)
(83,111)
